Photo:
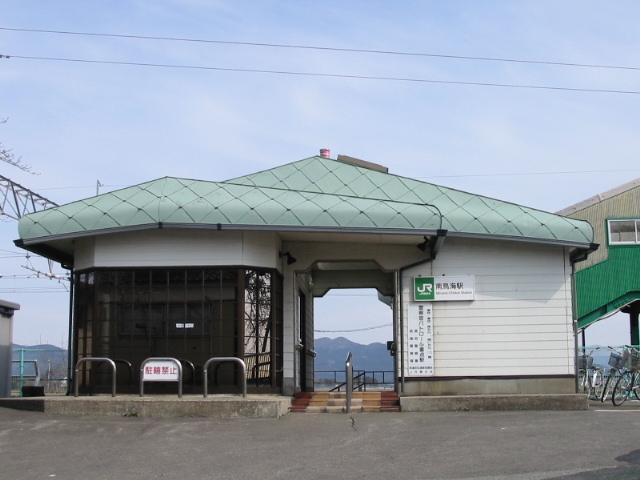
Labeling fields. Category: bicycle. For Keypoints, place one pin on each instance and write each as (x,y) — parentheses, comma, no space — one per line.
(629,380)
(590,377)
(616,363)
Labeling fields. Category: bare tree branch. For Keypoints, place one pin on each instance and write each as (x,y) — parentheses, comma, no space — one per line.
(7,156)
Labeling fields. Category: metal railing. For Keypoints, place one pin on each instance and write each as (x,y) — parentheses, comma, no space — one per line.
(237,360)
(39,367)
(95,359)
(334,380)
(348,372)
(192,367)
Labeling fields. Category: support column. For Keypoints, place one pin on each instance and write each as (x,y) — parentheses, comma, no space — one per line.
(633,309)
(634,328)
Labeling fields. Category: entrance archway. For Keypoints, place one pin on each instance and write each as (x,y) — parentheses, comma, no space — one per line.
(342,308)
(356,321)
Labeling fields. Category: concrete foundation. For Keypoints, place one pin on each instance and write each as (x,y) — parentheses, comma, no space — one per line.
(490,386)
(464,403)
(258,406)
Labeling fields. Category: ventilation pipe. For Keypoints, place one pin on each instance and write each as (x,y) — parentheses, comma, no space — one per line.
(325,153)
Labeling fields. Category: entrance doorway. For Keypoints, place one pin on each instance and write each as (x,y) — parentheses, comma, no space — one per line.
(357,321)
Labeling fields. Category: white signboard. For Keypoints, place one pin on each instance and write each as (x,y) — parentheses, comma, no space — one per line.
(445,288)
(160,371)
(419,347)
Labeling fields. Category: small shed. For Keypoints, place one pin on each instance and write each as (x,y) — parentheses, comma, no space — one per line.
(6,345)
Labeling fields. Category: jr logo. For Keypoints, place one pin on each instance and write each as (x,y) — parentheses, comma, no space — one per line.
(424,288)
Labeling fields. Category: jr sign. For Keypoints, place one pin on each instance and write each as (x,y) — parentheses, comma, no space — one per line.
(438,289)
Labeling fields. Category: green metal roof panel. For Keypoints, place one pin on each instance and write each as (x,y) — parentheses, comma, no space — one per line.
(315,192)
(181,201)
(461,211)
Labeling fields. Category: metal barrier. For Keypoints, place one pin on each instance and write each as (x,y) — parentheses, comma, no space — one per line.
(193,369)
(348,371)
(163,373)
(128,364)
(237,360)
(95,359)
(52,372)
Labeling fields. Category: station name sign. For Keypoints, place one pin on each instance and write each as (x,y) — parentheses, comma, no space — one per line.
(442,289)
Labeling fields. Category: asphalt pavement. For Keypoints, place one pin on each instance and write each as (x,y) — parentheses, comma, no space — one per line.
(601,443)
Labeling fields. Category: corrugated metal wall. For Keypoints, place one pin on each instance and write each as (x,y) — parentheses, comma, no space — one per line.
(624,205)
(604,283)
(609,274)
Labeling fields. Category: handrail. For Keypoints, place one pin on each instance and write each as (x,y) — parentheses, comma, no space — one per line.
(360,382)
(348,369)
(368,378)
(226,359)
(95,359)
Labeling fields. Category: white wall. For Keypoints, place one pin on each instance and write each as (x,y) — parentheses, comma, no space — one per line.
(169,248)
(520,322)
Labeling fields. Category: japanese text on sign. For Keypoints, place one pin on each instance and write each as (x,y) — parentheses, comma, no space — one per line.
(160,371)
(419,361)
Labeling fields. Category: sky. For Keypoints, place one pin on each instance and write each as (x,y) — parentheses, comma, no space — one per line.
(535,103)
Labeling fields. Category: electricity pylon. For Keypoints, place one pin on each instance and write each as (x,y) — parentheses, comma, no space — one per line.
(17,201)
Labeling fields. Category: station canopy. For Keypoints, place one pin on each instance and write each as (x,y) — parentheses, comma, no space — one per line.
(316,194)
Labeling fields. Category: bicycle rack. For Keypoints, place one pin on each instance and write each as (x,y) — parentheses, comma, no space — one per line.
(128,364)
(193,369)
(237,360)
(95,359)
(169,377)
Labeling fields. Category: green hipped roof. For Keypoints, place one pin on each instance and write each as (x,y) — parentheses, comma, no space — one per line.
(313,194)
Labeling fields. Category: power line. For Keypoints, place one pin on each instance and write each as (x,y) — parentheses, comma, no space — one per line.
(33,290)
(326,75)
(568,172)
(330,49)
(355,329)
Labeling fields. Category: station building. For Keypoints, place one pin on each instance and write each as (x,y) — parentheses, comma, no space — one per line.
(481,289)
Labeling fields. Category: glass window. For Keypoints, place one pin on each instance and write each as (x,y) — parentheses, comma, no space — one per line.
(623,232)
(186,313)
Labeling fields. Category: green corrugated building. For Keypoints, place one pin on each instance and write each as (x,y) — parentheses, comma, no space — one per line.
(609,280)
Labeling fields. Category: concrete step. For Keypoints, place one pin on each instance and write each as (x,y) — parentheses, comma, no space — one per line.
(335,402)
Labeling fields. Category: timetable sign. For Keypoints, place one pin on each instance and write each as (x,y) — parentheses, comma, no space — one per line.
(419,361)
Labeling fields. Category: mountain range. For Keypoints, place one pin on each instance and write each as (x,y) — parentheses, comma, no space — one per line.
(332,355)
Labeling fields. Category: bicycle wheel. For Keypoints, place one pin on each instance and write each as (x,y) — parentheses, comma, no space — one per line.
(636,379)
(582,381)
(612,378)
(597,384)
(622,389)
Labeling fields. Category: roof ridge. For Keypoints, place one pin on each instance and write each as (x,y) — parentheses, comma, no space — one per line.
(612,192)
